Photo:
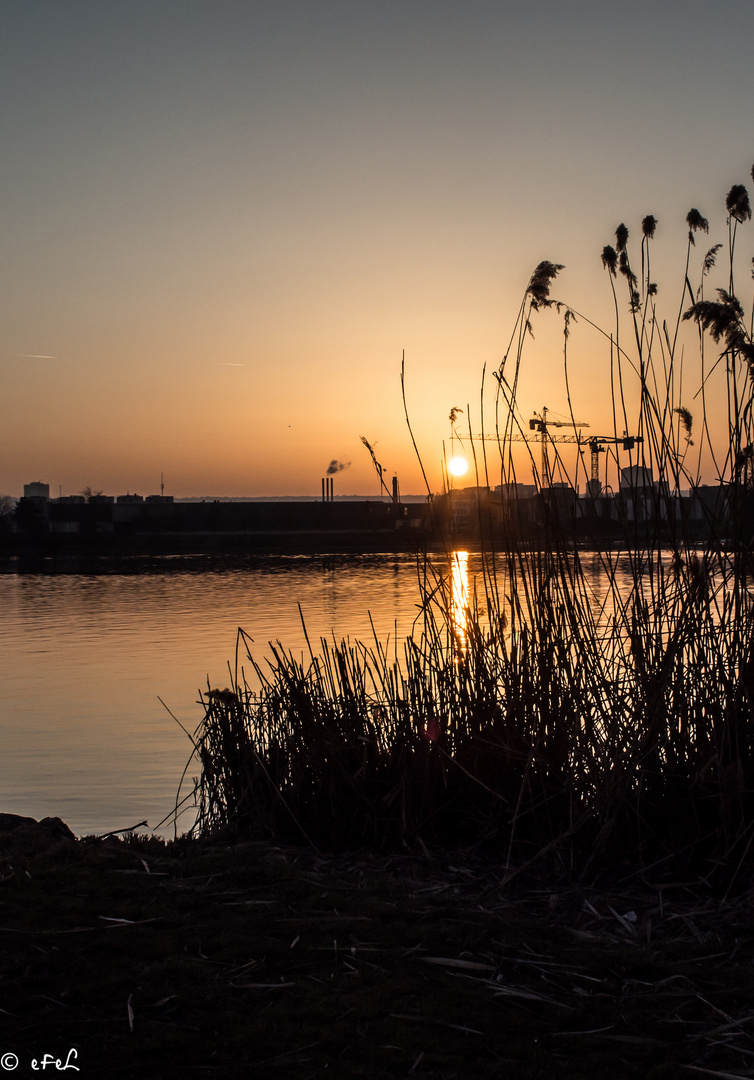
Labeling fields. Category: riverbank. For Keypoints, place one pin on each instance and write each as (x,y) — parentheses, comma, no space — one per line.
(138,958)
(45,527)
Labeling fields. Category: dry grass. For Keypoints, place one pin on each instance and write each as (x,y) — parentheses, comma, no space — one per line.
(212,960)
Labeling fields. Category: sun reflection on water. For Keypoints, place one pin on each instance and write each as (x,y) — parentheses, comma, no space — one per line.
(459,595)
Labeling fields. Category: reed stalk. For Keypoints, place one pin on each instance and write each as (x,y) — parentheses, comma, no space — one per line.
(545,719)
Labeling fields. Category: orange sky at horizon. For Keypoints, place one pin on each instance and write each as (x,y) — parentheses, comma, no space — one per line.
(225,225)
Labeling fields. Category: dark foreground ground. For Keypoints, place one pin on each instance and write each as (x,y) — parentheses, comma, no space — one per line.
(139,959)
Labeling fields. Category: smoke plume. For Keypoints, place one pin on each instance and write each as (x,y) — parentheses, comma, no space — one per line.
(336,466)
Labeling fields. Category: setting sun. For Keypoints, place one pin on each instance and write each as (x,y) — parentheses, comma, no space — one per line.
(458,466)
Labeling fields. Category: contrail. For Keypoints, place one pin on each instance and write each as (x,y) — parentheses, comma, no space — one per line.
(35,356)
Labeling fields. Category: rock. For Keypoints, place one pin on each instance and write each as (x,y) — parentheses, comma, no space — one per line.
(26,834)
(8,822)
(57,827)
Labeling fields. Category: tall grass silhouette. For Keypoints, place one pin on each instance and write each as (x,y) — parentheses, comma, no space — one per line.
(539,719)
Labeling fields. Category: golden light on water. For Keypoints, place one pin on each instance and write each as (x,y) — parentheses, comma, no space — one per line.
(459,586)
(458,466)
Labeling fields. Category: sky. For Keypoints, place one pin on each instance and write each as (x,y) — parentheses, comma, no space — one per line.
(224,224)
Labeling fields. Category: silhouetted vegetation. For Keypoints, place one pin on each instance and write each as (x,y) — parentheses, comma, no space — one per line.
(7,510)
(541,718)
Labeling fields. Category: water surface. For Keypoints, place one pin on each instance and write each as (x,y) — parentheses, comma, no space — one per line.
(85,658)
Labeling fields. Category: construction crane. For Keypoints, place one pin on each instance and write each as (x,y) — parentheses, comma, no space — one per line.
(540,423)
(597,444)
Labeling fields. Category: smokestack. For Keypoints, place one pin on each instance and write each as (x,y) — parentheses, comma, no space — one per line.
(324,497)
(395,489)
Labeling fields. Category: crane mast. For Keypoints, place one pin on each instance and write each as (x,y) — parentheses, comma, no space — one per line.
(597,445)
(540,424)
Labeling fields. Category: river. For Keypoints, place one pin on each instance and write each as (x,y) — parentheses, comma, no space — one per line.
(86,658)
(94,660)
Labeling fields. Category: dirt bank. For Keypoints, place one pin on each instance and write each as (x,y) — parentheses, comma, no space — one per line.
(140,959)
